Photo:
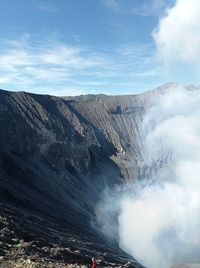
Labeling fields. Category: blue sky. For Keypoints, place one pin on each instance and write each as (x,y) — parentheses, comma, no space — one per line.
(72,47)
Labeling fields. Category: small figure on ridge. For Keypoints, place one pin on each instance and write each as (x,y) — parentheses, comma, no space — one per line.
(94,264)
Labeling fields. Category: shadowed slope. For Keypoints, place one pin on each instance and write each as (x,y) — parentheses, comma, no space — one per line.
(56,158)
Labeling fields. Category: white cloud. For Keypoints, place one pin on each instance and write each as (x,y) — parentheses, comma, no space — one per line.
(28,65)
(153,7)
(4,80)
(48,6)
(31,65)
(178,34)
(113,4)
(150,8)
(64,91)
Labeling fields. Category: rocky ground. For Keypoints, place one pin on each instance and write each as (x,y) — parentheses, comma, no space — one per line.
(27,241)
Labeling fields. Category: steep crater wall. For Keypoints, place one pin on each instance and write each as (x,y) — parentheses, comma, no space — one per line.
(57,155)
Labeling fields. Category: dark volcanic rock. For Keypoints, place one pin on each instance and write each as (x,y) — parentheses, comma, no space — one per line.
(57,155)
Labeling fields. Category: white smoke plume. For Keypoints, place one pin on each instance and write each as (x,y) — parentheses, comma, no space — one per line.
(160,225)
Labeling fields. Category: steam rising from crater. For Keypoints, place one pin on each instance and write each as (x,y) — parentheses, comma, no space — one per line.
(160,224)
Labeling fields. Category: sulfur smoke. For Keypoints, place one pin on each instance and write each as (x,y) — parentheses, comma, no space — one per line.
(160,224)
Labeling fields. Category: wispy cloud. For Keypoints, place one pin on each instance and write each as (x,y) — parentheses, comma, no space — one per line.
(150,8)
(113,4)
(55,67)
(154,7)
(48,6)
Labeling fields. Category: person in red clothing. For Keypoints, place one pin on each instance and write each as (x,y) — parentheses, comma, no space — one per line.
(94,263)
